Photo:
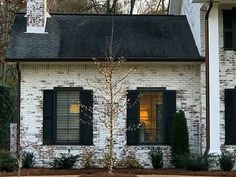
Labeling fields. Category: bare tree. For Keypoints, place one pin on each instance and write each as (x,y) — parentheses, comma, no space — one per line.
(152,6)
(109,6)
(8,10)
(112,92)
(70,6)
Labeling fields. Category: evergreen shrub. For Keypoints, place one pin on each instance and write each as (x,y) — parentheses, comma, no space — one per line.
(7,162)
(196,162)
(64,162)
(156,157)
(28,159)
(179,138)
(7,115)
(226,160)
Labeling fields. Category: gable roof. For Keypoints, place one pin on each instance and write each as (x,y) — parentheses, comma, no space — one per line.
(81,37)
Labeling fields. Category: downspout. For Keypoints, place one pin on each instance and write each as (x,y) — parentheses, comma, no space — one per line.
(18,110)
(207,77)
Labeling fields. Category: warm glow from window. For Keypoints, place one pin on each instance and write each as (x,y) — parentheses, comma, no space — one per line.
(74,108)
(151,118)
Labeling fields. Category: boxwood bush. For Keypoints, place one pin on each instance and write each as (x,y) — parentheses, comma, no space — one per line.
(196,161)
(65,161)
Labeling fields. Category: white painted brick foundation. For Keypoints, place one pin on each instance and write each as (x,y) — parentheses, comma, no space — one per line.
(183,77)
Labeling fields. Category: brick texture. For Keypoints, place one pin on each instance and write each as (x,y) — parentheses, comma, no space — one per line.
(185,78)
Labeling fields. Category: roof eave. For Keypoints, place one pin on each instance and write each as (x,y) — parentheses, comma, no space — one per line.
(128,59)
(204,1)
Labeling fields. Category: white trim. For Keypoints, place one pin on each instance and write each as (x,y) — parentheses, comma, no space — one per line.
(33,29)
(217,1)
(214,80)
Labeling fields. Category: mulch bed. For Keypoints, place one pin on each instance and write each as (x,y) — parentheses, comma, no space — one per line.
(117,173)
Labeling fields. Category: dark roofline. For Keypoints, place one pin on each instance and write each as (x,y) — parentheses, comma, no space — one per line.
(110,15)
(89,59)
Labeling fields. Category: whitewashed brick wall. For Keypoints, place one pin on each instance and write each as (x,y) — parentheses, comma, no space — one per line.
(192,11)
(227,79)
(185,78)
(36,13)
(196,20)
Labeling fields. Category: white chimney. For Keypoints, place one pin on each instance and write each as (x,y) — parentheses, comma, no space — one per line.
(36,16)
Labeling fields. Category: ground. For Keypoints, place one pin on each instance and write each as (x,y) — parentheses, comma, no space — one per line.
(118,172)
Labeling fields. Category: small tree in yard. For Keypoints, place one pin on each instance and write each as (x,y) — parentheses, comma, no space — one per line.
(179,140)
(112,91)
(113,94)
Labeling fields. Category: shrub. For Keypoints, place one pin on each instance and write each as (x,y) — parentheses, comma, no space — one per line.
(156,158)
(64,162)
(7,162)
(28,159)
(179,138)
(195,162)
(104,162)
(88,160)
(129,162)
(226,160)
(7,115)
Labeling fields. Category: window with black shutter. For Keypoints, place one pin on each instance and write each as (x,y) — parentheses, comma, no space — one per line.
(229,18)
(64,116)
(152,114)
(230,116)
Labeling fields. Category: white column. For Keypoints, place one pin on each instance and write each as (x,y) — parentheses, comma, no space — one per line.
(214,80)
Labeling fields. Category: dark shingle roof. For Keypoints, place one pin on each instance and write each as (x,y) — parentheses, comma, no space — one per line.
(86,36)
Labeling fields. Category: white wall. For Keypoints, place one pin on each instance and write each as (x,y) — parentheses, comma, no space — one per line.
(185,78)
(192,11)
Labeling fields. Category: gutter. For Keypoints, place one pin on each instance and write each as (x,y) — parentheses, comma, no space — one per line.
(18,110)
(207,63)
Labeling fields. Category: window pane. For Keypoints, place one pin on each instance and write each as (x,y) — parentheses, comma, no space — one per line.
(151,118)
(228,40)
(68,122)
(228,19)
(228,29)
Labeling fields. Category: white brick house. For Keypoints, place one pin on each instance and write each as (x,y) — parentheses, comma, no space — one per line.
(55,61)
(222,55)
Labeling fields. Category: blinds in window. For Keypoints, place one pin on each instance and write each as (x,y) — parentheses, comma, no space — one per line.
(68,116)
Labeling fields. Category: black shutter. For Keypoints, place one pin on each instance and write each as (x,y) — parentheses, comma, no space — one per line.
(86,117)
(48,117)
(230,117)
(234,29)
(169,111)
(132,117)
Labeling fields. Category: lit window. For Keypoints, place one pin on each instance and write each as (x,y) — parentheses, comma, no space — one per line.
(151,118)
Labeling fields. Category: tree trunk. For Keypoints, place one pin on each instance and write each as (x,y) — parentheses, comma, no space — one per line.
(132,3)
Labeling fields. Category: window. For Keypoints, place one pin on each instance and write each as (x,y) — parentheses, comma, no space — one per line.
(229,17)
(230,116)
(67,116)
(153,110)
